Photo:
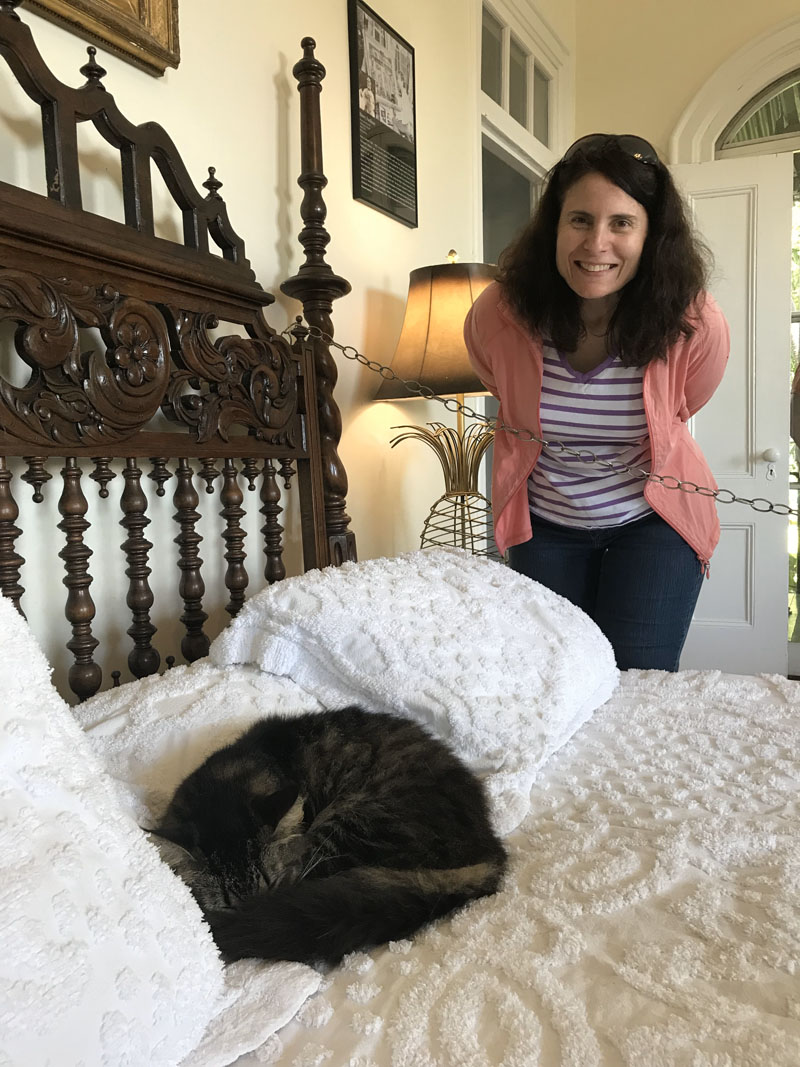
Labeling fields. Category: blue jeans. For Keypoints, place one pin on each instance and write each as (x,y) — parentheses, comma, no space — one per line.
(639,582)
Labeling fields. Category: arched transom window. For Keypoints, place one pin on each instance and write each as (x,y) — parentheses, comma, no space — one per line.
(773,115)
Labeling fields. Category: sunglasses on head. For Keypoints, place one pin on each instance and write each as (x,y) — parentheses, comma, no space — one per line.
(636,147)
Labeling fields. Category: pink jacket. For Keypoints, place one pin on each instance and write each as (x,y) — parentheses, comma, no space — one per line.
(508,360)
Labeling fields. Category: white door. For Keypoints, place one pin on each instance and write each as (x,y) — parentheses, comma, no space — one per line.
(742,207)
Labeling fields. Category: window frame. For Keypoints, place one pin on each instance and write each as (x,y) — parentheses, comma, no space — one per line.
(543,50)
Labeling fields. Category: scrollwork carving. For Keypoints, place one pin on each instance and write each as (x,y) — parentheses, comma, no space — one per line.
(245,381)
(76,397)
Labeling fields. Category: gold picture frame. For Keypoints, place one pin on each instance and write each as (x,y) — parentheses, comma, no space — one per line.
(145,32)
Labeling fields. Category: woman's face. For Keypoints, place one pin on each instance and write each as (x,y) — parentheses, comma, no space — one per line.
(601,234)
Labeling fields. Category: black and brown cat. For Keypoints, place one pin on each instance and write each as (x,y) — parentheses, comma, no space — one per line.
(330,832)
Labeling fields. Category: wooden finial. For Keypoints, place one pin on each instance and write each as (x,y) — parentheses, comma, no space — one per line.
(102,473)
(92,71)
(159,473)
(298,329)
(208,472)
(36,475)
(213,184)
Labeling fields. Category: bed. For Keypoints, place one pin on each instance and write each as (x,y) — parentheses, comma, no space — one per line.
(651,914)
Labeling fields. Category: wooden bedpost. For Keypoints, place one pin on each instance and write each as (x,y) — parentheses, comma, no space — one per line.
(316,286)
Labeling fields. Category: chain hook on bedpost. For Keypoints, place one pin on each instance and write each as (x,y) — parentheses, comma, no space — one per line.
(316,286)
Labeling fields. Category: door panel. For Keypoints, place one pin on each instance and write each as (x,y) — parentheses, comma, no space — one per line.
(742,208)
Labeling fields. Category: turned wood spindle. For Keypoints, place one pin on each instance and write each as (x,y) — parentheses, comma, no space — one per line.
(85,676)
(143,659)
(232,511)
(271,531)
(195,643)
(10,560)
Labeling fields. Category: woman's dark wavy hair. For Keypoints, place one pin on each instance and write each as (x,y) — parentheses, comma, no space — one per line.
(652,312)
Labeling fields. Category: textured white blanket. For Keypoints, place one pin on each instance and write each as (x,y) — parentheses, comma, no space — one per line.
(651,916)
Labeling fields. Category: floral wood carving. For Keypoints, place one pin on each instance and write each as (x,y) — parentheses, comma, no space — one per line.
(73,396)
(144,34)
(106,395)
(249,381)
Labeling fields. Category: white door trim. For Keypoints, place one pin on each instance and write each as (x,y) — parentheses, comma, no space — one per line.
(731,87)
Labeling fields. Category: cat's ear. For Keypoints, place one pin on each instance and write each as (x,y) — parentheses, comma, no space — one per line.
(272,808)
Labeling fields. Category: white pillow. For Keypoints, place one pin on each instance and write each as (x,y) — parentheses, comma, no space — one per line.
(496,664)
(104,956)
(150,734)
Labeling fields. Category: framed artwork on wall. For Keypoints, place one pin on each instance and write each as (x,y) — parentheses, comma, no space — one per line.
(144,34)
(383,115)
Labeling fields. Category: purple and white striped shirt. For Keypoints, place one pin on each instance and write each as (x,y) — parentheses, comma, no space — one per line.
(602,410)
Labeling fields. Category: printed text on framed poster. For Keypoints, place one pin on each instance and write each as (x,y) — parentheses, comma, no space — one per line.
(383,116)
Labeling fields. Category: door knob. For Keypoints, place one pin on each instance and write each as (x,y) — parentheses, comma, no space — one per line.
(771,455)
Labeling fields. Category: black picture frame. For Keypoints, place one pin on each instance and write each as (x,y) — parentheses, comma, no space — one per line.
(383,115)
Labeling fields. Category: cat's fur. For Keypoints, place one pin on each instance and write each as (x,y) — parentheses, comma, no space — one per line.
(330,832)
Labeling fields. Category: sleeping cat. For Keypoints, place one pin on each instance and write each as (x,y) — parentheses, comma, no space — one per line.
(330,832)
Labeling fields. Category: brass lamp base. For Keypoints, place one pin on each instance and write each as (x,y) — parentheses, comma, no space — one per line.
(462,517)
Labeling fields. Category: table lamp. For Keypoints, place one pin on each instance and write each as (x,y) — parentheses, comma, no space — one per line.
(431,352)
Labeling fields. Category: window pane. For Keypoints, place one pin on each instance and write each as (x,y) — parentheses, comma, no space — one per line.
(518,83)
(492,57)
(541,105)
(780,114)
(506,204)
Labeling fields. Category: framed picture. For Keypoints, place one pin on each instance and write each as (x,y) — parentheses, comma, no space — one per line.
(384,127)
(144,34)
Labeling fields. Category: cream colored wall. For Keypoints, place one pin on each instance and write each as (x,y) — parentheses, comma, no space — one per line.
(639,63)
(233,103)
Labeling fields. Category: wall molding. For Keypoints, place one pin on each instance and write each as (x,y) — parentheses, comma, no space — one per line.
(744,74)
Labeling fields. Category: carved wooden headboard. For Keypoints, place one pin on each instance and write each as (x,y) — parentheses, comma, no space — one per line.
(157,392)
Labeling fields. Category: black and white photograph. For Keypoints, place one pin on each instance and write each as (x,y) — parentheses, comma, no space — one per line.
(383,115)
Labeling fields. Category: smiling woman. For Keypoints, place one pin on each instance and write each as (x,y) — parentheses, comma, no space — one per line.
(599,335)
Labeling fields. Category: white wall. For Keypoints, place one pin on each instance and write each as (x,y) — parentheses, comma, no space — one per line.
(233,103)
(640,63)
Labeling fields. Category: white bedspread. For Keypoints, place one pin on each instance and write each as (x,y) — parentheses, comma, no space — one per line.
(651,917)
(480,655)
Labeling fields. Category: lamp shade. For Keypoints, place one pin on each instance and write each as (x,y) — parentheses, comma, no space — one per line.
(431,348)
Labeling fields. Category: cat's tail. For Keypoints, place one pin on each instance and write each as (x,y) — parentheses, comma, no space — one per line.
(320,920)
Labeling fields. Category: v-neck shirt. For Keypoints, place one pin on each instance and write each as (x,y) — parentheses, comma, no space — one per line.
(599,411)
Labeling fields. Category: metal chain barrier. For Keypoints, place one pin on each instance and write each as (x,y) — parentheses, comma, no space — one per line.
(585,455)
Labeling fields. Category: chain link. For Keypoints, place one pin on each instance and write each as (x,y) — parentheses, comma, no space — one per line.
(668,481)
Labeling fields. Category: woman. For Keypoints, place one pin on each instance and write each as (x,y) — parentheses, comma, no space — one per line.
(599,334)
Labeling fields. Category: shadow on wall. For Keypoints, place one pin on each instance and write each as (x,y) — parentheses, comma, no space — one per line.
(383,320)
(286,247)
